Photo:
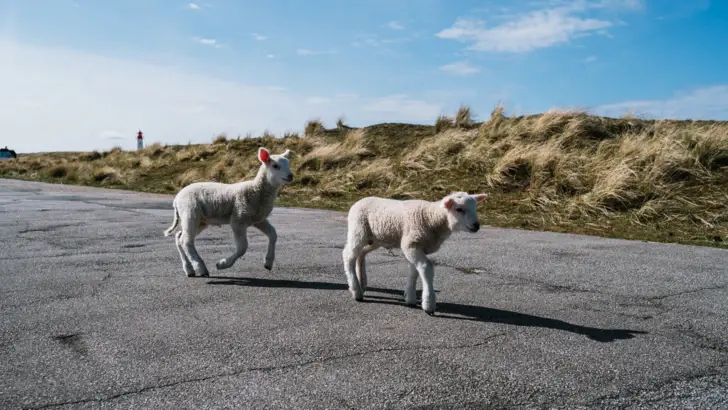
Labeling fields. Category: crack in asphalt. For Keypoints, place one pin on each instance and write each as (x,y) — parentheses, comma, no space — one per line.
(687,292)
(484,342)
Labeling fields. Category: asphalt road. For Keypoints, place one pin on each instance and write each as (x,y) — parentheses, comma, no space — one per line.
(97,313)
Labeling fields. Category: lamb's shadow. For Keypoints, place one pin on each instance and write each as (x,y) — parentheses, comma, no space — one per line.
(284,283)
(445,310)
(490,315)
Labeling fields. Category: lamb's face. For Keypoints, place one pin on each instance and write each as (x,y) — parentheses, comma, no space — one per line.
(462,212)
(278,169)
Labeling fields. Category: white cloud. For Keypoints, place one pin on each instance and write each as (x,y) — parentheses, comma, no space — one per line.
(708,103)
(559,23)
(270,56)
(309,52)
(259,37)
(193,6)
(460,68)
(207,42)
(83,99)
(318,100)
(590,59)
(395,26)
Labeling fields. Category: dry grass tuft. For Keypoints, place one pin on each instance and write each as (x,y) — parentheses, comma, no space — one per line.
(314,127)
(337,154)
(107,175)
(220,139)
(464,117)
(443,123)
(340,124)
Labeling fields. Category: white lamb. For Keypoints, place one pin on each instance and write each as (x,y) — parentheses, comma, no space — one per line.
(416,227)
(241,204)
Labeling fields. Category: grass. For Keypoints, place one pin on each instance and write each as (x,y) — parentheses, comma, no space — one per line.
(657,180)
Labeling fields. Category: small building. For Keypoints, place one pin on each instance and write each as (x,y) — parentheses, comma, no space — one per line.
(6,153)
(140,140)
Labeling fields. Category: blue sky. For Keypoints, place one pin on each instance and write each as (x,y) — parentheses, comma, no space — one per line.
(83,75)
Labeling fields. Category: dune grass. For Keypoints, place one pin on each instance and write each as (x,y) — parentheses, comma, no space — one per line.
(657,180)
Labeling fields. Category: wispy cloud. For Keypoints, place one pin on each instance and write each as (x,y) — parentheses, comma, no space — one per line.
(385,44)
(318,100)
(555,22)
(590,59)
(462,68)
(701,103)
(309,52)
(193,6)
(211,42)
(270,56)
(259,37)
(395,25)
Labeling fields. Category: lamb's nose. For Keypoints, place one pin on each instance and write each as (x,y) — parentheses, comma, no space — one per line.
(290,176)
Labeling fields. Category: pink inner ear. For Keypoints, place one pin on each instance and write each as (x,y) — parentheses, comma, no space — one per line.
(448,203)
(264,156)
(480,197)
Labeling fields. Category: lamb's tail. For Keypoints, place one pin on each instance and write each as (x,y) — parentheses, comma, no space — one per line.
(174,223)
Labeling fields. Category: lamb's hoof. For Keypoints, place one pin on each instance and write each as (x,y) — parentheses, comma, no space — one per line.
(221,264)
(190,275)
(268,267)
(429,308)
(358,296)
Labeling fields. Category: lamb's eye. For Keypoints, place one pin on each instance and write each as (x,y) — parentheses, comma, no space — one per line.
(275,166)
(460,210)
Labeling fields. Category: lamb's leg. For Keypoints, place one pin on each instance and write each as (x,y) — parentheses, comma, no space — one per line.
(361,266)
(410,291)
(187,239)
(350,255)
(361,271)
(186,265)
(240,235)
(269,231)
(427,274)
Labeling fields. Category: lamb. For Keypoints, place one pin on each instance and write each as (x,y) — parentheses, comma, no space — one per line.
(417,227)
(240,205)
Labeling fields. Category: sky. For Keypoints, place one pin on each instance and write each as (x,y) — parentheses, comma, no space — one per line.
(81,75)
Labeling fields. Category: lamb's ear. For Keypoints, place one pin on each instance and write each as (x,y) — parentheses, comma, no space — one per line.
(480,197)
(447,202)
(263,155)
(286,154)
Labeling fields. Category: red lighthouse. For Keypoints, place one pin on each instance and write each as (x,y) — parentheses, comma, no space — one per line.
(140,140)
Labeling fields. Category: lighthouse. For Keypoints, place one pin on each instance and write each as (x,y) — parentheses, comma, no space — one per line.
(140,140)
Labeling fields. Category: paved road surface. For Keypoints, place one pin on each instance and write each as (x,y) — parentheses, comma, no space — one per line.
(96,313)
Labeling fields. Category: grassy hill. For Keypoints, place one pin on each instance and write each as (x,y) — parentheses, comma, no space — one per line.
(660,180)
